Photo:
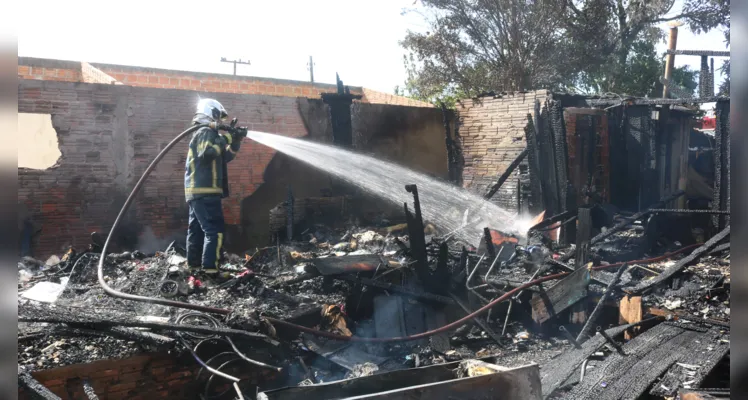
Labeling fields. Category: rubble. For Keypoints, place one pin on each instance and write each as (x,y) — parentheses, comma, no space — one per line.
(622,312)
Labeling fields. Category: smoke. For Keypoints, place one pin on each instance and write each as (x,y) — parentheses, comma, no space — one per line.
(149,243)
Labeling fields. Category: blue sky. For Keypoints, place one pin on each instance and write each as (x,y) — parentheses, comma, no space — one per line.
(356,38)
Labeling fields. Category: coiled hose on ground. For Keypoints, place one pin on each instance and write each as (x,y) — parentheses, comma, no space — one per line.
(109,290)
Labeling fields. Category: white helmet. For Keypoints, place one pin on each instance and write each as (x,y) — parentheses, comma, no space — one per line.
(209,110)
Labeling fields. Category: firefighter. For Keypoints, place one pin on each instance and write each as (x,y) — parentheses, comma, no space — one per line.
(206,183)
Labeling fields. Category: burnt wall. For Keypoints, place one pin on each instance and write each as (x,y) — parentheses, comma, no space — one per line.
(409,136)
(108,134)
(492,135)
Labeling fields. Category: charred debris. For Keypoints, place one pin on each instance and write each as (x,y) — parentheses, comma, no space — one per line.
(595,301)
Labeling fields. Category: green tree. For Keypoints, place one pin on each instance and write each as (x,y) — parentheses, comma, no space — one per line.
(639,75)
(587,46)
(474,46)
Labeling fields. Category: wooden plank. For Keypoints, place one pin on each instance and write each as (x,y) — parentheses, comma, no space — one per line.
(630,311)
(343,264)
(682,263)
(635,380)
(600,378)
(702,359)
(646,358)
(560,296)
(556,371)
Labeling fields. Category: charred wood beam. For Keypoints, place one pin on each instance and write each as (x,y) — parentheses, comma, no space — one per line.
(506,174)
(546,159)
(450,143)
(417,238)
(584,231)
(684,211)
(289,216)
(596,311)
(569,336)
(561,151)
(709,53)
(396,288)
(721,199)
(720,248)
(548,303)
(631,101)
(116,332)
(682,263)
(628,221)
(610,341)
(97,322)
(536,189)
(36,389)
(490,249)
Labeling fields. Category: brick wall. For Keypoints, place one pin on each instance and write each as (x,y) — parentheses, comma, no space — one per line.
(49,70)
(376,97)
(147,376)
(70,71)
(91,74)
(168,79)
(492,135)
(108,134)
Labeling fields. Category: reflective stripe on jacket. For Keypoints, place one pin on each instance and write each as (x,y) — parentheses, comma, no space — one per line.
(205,169)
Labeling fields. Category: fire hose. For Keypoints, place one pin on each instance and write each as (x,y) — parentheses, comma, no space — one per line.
(469,317)
(172,303)
(152,300)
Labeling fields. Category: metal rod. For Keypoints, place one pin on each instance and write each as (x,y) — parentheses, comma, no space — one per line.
(596,311)
(494,263)
(238,392)
(509,310)
(569,336)
(249,360)
(206,366)
(584,368)
(477,320)
(506,320)
(470,277)
(610,340)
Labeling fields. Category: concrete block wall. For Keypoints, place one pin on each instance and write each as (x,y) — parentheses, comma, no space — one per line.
(492,134)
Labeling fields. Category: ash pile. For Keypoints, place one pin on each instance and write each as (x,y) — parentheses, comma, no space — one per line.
(627,310)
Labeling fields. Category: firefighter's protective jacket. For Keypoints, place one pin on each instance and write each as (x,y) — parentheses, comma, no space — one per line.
(205,169)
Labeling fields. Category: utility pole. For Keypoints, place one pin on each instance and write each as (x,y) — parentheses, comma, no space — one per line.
(239,61)
(670,61)
(311,69)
